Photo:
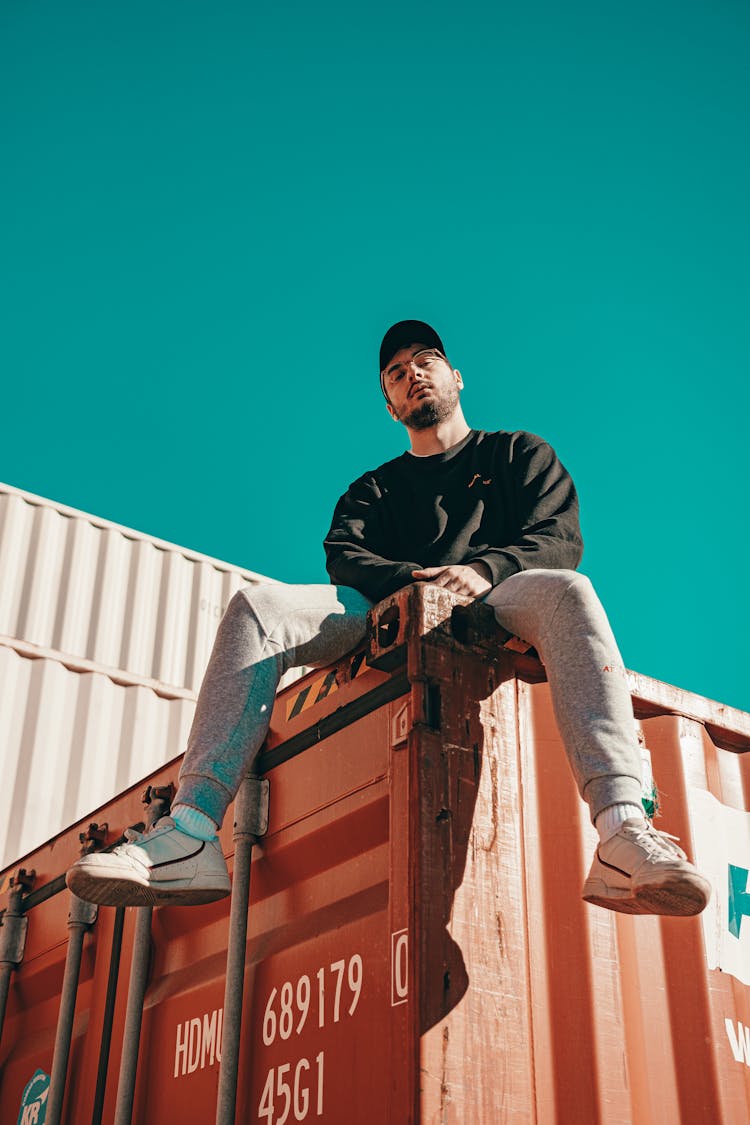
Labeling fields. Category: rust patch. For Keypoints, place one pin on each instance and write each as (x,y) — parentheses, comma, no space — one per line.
(444,1090)
(500,933)
(495,796)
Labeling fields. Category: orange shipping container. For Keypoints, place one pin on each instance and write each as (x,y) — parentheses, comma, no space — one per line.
(417,949)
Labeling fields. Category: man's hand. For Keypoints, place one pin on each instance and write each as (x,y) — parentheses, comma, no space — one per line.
(474,579)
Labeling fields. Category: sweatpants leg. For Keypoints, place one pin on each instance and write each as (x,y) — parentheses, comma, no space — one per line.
(266,630)
(559,613)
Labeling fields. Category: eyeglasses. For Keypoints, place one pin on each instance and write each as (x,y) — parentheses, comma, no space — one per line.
(424,361)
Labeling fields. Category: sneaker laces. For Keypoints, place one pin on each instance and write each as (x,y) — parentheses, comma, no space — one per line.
(658,845)
(134,836)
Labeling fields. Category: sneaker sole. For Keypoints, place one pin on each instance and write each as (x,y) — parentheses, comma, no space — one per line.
(681,896)
(598,893)
(116,891)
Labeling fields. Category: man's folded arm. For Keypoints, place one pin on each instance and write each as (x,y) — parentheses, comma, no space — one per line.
(354,546)
(549,525)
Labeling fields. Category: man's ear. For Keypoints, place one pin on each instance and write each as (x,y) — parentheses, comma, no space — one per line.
(391,411)
(459,380)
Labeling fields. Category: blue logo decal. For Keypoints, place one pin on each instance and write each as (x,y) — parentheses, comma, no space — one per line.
(34,1100)
(739,899)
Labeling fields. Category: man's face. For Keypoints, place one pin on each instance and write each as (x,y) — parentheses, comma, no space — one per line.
(421,386)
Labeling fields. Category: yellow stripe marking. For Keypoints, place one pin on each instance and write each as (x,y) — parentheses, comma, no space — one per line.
(312,690)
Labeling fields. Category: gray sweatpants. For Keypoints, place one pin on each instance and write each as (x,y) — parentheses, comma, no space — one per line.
(268,629)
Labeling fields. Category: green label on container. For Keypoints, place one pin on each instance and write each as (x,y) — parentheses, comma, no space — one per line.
(34,1100)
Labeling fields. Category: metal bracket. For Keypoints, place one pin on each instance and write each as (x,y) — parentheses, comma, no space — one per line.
(159,793)
(400,724)
(13,920)
(94,838)
(23,880)
(81,913)
(13,932)
(158,799)
(387,647)
(251,807)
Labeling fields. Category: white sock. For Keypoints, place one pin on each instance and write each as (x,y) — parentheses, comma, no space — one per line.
(194,823)
(610,820)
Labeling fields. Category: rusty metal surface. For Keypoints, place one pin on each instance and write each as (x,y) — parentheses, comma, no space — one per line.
(418,950)
(629,1005)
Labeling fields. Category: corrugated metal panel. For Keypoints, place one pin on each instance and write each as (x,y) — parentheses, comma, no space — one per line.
(88,588)
(418,950)
(70,740)
(638,1019)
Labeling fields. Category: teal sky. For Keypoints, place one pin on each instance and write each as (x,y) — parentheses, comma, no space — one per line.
(211,212)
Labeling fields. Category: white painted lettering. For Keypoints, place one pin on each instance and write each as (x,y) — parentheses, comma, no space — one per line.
(283,1088)
(198,1043)
(194,1049)
(399,967)
(181,1048)
(208,1044)
(338,967)
(355,980)
(296,1095)
(321,998)
(269,1020)
(295,1000)
(265,1109)
(319,1060)
(301,1094)
(739,1041)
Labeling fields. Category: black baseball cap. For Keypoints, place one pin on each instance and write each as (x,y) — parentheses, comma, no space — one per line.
(407,332)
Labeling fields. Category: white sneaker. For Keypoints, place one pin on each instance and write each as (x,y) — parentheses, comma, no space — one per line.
(163,867)
(642,871)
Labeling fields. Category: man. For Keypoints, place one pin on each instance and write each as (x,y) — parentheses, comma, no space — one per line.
(491,515)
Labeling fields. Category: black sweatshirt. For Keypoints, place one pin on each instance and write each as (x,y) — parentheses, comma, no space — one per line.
(500,498)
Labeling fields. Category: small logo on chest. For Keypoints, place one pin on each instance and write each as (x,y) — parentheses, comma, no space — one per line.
(476,477)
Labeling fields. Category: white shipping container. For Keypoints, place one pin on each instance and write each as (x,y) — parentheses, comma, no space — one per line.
(87,588)
(71,738)
(105,634)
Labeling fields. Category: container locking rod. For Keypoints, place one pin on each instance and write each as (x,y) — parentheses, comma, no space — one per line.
(158,801)
(81,917)
(13,935)
(6,968)
(251,822)
(132,1034)
(109,1015)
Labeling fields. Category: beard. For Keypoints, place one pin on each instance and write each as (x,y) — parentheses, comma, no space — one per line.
(430,412)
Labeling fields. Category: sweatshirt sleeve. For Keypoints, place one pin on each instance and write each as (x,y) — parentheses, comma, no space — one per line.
(549,533)
(355,545)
